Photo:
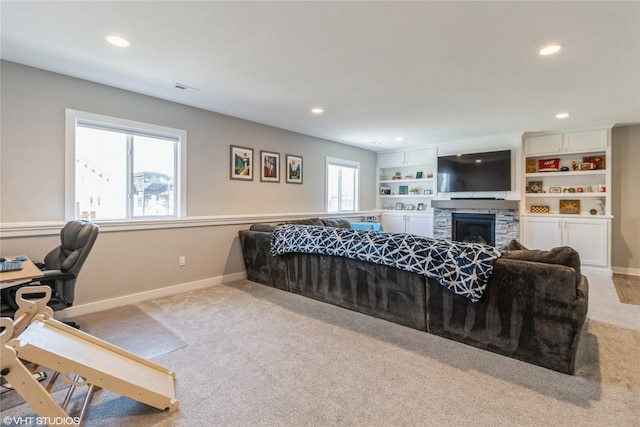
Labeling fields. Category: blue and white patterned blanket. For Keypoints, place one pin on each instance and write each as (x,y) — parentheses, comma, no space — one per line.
(463,268)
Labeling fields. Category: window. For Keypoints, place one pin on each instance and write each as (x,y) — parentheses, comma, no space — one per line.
(342,185)
(118,169)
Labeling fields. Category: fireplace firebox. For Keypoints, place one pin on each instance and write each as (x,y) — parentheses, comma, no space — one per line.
(473,228)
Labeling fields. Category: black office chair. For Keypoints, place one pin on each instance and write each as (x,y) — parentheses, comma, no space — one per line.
(61,267)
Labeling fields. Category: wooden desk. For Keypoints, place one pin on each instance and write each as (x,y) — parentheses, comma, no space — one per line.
(12,278)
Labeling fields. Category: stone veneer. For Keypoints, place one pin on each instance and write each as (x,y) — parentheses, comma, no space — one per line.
(507,223)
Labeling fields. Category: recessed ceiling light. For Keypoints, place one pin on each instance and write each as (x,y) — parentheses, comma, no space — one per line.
(117,41)
(376,142)
(398,138)
(317,110)
(550,49)
(562,115)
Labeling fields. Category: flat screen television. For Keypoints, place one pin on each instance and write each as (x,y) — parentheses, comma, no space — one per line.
(488,171)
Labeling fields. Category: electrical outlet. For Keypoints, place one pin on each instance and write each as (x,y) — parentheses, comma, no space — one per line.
(182,261)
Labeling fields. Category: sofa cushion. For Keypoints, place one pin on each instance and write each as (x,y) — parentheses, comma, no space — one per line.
(563,255)
(336,222)
(513,245)
(263,227)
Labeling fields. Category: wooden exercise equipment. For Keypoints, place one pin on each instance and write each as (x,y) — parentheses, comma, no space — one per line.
(78,358)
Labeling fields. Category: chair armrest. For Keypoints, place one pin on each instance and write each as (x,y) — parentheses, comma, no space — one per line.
(55,275)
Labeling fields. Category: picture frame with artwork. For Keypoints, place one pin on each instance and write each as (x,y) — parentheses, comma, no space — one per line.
(294,169)
(241,166)
(399,206)
(419,175)
(420,207)
(555,190)
(403,189)
(570,207)
(535,186)
(269,166)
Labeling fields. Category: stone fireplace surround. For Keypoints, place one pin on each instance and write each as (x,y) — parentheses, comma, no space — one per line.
(507,214)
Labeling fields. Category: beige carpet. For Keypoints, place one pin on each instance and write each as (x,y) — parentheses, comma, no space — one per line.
(257,356)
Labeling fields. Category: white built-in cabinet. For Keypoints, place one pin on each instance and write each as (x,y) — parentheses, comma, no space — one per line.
(590,237)
(588,227)
(405,190)
(418,223)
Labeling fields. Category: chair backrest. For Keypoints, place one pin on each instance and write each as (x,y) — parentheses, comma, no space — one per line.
(76,240)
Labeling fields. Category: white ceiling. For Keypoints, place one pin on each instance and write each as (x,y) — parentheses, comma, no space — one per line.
(427,71)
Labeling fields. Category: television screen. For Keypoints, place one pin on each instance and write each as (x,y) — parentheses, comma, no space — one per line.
(490,171)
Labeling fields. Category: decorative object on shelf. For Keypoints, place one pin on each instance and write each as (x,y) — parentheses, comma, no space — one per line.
(571,190)
(241,163)
(574,166)
(404,189)
(549,165)
(586,166)
(270,170)
(414,190)
(564,169)
(430,175)
(427,192)
(408,177)
(555,190)
(539,209)
(418,175)
(398,175)
(399,206)
(408,207)
(589,189)
(385,191)
(579,190)
(294,169)
(598,161)
(420,207)
(531,166)
(602,203)
(593,211)
(570,207)
(602,188)
(535,186)
(383,177)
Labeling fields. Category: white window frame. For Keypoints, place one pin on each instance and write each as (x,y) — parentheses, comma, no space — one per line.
(334,161)
(72,117)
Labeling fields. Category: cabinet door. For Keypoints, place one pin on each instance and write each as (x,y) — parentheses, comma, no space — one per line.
(393,222)
(390,159)
(420,224)
(541,233)
(420,157)
(543,144)
(585,141)
(589,238)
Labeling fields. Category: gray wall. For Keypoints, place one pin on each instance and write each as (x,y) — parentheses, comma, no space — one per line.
(32,181)
(625,176)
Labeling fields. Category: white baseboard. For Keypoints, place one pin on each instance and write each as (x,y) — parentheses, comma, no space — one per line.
(627,271)
(78,310)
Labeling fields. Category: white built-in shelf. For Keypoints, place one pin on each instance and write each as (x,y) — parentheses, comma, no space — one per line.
(565,174)
(567,194)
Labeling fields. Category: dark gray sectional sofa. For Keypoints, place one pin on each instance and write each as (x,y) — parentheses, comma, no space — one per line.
(533,308)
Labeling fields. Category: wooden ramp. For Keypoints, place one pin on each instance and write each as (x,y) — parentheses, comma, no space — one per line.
(80,358)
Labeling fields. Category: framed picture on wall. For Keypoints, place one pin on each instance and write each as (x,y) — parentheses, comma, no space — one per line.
(241,163)
(269,166)
(294,169)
